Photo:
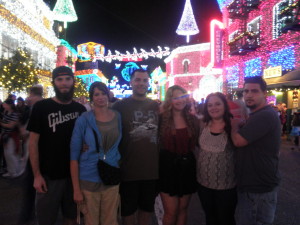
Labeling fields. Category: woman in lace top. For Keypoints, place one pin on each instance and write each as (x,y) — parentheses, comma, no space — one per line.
(215,163)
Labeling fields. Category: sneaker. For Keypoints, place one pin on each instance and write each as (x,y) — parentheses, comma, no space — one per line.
(6,175)
(9,175)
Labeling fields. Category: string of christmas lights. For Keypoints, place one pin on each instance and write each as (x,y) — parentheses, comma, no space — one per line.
(134,56)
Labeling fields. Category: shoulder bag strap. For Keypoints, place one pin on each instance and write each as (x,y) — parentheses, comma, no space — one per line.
(96,140)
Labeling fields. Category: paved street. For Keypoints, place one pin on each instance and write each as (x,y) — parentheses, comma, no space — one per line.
(15,207)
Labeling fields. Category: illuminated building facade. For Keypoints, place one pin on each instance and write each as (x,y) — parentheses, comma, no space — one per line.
(191,68)
(87,65)
(28,24)
(66,55)
(261,38)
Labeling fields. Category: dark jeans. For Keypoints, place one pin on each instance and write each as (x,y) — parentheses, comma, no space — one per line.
(218,205)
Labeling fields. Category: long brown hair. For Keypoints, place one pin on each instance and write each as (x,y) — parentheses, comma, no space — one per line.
(227,115)
(166,118)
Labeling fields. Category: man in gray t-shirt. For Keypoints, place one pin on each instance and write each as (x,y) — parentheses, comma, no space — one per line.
(257,157)
(139,151)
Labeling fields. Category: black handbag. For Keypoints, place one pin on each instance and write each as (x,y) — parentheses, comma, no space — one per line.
(110,175)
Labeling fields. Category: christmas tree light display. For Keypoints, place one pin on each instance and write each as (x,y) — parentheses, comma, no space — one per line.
(187,25)
(80,88)
(18,73)
(64,11)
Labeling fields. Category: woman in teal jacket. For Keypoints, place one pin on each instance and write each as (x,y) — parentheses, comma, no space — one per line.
(98,202)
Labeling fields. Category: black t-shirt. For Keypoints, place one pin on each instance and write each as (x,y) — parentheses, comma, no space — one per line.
(257,163)
(54,122)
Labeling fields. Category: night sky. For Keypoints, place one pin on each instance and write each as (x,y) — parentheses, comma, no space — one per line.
(123,24)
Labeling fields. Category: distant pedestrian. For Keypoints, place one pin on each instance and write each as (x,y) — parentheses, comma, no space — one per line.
(51,124)
(242,112)
(258,143)
(24,112)
(35,95)
(10,138)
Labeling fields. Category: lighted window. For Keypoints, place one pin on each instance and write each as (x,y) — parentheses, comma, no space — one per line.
(254,25)
(283,14)
(185,67)
(233,35)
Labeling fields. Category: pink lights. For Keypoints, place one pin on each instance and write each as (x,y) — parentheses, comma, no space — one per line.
(216,36)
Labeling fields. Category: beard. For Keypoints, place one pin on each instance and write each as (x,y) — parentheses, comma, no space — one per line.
(64,97)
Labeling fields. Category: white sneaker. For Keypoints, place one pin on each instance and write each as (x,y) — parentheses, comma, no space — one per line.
(6,174)
(9,175)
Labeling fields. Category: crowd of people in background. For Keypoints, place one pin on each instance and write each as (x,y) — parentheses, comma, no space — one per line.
(225,149)
(14,115)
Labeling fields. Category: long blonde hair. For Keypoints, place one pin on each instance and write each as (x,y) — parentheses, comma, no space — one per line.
(167,125)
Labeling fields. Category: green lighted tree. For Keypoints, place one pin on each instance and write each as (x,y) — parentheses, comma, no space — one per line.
(80,88)
(18,73)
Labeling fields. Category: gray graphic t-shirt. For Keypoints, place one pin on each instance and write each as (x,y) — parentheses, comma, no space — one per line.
(139,149)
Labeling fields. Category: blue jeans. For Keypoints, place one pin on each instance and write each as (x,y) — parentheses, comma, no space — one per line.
(256,208)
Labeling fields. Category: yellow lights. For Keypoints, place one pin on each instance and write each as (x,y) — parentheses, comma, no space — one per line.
(12,19)
(46,23)
(276,93)
(60,29)
(240,36)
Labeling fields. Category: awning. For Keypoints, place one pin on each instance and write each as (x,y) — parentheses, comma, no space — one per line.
(290,79)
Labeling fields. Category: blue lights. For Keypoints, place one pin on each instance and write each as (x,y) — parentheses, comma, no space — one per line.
(88,79)
(232,76)
(144,67)
(223,3)
(129,68)
(284,57)
(253,68)
(117,66)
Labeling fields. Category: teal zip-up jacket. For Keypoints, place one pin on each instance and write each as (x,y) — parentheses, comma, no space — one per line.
(87,160)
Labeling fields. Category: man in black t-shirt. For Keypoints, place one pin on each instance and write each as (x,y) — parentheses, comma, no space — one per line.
(51,124)
(258,143)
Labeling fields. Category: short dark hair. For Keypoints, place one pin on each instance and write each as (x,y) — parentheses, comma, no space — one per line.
(140,71)
(256,80)
(10,96)
(20,99)
(100,86)
(10,102)
(36,90)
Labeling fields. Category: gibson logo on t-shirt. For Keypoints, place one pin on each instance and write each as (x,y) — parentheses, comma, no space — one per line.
(57,118)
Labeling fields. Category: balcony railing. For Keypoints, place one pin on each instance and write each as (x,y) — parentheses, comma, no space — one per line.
(239,9)
(244,43)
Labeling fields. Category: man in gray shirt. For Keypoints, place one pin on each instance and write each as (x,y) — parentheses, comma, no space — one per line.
(139,152)
(258,143)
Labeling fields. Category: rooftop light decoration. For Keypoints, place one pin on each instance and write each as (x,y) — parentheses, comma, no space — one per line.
(64,11)
(187,25)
